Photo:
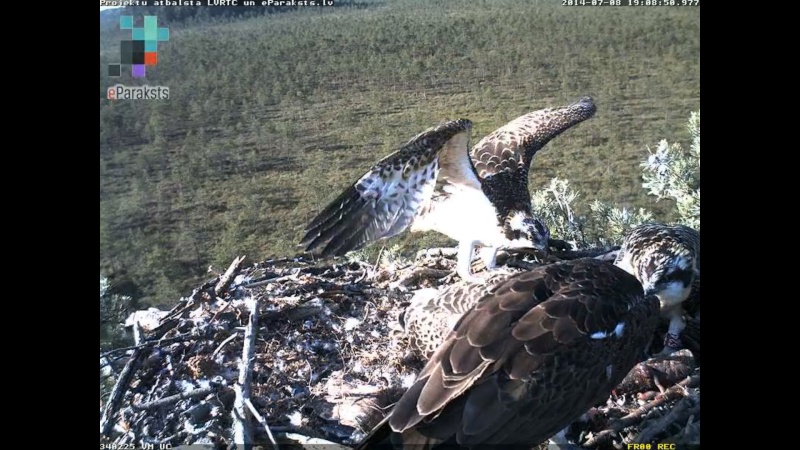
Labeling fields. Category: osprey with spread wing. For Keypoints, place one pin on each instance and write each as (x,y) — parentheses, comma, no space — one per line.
(434,182)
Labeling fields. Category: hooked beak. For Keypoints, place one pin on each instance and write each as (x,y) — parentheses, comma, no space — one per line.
(544,249)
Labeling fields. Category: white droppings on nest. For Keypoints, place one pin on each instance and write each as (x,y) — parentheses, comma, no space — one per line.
(149,319)
(351,324)
(191,428)
(185,386)
(295,418)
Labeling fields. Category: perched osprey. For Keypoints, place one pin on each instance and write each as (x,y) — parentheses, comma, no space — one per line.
(668,257)
(435,182)
(527,360)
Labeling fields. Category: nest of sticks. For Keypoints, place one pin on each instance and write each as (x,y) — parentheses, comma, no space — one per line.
(294,353)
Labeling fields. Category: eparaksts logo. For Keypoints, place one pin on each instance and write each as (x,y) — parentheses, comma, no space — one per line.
(121,92)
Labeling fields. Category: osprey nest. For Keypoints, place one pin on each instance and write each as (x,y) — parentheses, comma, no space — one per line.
(296,354)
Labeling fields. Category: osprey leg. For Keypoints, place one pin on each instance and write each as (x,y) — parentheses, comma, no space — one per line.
(489,257)
(464,265)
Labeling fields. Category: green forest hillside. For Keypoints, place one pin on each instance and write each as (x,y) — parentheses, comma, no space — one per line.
(270,116)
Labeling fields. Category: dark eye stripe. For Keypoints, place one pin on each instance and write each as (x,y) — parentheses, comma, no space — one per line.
(678,275)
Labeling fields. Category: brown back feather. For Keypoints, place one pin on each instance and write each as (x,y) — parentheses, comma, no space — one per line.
(522,364)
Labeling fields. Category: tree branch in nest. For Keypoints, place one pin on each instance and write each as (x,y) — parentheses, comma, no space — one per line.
(262,421)
(227,277)
(280,279)
(166,401)
(118,392)
(183,337)
(686,407)
(635,417)
(242,433)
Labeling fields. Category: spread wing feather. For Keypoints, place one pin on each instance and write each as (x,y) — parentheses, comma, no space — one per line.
(530,357)
(385,200)
(511,147)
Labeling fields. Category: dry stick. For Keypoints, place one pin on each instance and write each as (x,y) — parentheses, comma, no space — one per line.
(263,422)
(378,259)
(228,339)
(118,392)
(138,333)
(223,309)
(241,429)
(422,273)
(687,406)
(638,414)
(186,303)
(226,278)
(183,337)
(166,401)
(292,276)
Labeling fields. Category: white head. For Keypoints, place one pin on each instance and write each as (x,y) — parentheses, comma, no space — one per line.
(523,230)
(664,258)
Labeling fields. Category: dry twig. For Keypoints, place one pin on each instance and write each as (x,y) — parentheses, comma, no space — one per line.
(263,422)
(241,429)
(686,407)
(166,401)
(227,277)
(183,337)
(117,393)
(677,391)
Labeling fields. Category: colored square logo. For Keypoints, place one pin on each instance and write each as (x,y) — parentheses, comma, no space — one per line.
(137,71)
(141,49)
(125,22)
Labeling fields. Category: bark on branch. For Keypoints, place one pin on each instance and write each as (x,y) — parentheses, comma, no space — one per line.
(242,432)
(118,392)
(166,401)
(227,277)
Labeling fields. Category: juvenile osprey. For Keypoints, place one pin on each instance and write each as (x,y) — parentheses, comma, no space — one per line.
(527,360)
(668,257)
(434,182)
(432,313)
